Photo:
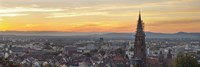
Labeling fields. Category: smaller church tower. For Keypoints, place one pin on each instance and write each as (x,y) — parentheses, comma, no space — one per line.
(169,54)
(169,57)
(161,59)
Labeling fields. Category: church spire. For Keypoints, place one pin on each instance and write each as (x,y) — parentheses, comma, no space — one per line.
(139,45)
(140,26)
(139,18)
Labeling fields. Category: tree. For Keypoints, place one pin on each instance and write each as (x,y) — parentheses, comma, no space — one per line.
(6,63)
(120,51)
(185,60)
(87,54)
(102,52)
(47,65)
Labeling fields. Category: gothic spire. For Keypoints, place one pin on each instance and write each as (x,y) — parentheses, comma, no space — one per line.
(139,44)
(140,26)
(139,18)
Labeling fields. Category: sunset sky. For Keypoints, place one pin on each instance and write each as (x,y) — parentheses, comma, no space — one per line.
(166,16)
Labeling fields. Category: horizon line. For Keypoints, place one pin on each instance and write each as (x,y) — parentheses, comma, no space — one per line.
(99,32)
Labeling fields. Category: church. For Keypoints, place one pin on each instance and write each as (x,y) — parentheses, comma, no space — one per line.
(140,58)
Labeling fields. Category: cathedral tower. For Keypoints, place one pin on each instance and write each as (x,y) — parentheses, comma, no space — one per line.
(139,45)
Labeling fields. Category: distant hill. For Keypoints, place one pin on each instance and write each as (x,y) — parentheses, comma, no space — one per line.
(175,35)
(105,35)
(44,33)
(153,35)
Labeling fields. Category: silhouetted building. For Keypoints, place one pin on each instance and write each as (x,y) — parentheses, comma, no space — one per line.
(139,45)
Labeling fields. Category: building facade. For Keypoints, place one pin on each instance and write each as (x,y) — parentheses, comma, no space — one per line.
(139,45)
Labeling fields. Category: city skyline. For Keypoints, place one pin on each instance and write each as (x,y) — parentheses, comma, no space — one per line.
(169,16)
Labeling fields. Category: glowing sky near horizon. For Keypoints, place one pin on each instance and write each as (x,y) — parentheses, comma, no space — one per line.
(167,16)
